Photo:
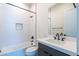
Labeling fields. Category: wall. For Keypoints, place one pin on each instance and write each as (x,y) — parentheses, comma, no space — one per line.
(23,5)
(58,14)
(12,39)
(33,21)
(57,18)
(42,19)
(77,28)
(28,6)
(71,22)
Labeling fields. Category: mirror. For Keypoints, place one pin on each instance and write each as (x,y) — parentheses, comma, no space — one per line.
(62,19)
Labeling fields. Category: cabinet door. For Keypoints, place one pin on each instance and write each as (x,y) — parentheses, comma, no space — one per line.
(50,51)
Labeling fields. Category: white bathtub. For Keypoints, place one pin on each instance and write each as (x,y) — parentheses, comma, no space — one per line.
(18,50)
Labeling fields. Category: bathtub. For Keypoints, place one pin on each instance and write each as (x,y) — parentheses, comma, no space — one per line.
(20,50)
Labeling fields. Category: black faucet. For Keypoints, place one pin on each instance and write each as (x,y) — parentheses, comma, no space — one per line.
(58,36)
(62,35)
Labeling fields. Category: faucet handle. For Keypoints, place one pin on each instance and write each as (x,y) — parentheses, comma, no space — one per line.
(62,39)
(57,34)
(54,37)
(61,34)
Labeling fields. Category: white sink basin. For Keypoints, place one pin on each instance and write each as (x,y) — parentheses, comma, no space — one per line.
(55,41)
(69,43)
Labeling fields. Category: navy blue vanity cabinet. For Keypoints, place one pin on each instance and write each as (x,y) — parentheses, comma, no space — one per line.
(48,51)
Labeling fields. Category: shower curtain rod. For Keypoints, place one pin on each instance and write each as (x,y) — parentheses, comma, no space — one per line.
(21,8)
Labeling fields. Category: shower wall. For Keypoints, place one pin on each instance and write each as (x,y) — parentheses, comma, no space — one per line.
(14,28)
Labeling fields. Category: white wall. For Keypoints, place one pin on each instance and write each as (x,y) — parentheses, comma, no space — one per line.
(42,19)
(10,38)
(57,14)
(78,28)
(70,22)
(28,6)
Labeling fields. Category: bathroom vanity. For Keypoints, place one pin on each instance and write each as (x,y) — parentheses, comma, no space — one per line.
(61,19)
(45,50)
(50,47)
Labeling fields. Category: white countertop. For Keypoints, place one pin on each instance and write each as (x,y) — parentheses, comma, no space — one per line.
(69,46)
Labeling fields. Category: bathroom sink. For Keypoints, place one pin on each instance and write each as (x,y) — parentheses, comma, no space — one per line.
(68,45)
(55,41)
